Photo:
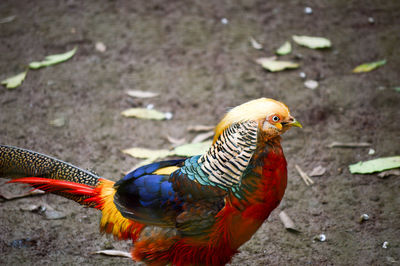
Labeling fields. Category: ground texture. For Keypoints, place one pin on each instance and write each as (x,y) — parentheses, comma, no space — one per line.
(201,67)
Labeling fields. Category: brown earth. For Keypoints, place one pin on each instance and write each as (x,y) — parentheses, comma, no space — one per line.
(201,67)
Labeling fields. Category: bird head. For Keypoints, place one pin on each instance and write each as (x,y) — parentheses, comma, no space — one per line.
(273,117)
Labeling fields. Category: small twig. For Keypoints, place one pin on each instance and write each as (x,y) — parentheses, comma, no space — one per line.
(305,177)
(114,253)
(337,144)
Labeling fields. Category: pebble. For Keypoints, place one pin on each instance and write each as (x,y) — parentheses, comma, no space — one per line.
(311,84)
(371,20)
(168,115)
(320,238)
(364,217)
(224,21)
(302,75)
(308,10)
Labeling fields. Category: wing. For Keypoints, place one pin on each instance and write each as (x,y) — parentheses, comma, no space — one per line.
(162,194)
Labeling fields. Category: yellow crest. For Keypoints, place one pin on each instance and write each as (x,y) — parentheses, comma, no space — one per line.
(253,110)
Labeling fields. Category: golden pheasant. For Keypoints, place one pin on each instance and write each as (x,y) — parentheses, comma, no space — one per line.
(193,211)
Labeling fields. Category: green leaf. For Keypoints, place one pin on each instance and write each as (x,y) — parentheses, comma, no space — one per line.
(14,81)
(275,65)
(144,153)
(192,149)
(312,42)
(286,48)
(376,165)
(53,59)
(144,113)
(397,89)
(367,67)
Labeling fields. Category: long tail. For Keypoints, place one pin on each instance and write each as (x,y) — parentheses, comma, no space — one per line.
(61,178)
(49,174)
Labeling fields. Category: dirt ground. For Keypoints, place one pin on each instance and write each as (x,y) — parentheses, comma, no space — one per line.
(201,67)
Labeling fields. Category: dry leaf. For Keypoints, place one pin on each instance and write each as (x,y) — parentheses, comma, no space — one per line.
(287,222)
(285,49)
(9,196)
(312,42)
(115,253)
(144,153)
(144,113)
(53,59)
(275,65)
(175,141)
(255,44)
(318,171)
(14,81)
(367,67)
(141,94)
(198,128)
(192,149)
(203,136)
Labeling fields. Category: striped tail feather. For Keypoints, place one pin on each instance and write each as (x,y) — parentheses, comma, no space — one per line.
(49,174)
(55,176)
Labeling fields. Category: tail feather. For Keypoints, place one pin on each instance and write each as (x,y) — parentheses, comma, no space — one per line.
(61,178)
(80,193)
(48,174)
(17,162)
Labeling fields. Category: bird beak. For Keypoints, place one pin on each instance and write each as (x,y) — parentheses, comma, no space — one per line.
(294,123)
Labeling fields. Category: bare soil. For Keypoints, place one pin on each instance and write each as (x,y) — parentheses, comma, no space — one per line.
(201,67)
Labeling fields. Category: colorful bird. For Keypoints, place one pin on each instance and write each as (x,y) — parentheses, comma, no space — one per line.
(194,211)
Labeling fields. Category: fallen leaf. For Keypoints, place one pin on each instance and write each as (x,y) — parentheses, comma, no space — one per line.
(175,141)
(14,81)
(338,144)
(115,253)
(203,136)
(312,42)
(198,128)
(53,59)
(141,94)
(275,65)
(367,67)
(318,171)
(255,44)
(7,19)
(144,153)
(58,122)
(9,196)
(286,48)
(192,149)
(144,113)
(395,172)
(287,222)
(54,215)
(375,165)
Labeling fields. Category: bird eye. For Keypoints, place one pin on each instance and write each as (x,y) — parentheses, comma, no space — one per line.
(275,118)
